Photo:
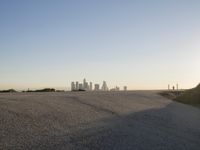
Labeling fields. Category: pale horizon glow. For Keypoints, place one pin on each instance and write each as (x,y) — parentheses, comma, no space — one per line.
(141,44)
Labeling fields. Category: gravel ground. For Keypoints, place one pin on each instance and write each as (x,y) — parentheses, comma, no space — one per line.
(139,120)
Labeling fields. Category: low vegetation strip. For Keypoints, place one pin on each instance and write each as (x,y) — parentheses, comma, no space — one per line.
(8,91)
(191,96)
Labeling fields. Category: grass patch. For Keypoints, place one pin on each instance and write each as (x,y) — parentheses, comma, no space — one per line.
(191,96)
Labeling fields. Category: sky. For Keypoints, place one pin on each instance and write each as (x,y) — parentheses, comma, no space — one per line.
(142,44)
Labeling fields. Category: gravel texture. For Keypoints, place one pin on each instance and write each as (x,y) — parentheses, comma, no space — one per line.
(139,120)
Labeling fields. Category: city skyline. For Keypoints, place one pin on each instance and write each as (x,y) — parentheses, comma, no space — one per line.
(140,44)
(88,86)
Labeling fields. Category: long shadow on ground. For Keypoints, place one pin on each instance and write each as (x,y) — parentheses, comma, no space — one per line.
(154,129)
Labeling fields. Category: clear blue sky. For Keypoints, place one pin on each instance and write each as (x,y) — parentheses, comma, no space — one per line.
(144,44)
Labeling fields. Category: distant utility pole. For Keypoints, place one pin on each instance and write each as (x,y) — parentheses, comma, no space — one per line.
(177,86)
(168,87)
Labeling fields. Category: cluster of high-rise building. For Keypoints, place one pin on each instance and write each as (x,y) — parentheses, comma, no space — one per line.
(85,86)
(88,86)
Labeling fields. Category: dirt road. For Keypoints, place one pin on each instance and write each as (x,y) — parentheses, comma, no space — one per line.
(139,120)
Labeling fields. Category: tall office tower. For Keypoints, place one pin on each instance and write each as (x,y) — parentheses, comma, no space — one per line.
(81,87)
(168,87)
(73,87)
(96,87)
(125,88)
(90,86)
(84,84)
(104,86)
(77,85)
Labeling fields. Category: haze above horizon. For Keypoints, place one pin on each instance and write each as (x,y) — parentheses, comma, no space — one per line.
(142,44)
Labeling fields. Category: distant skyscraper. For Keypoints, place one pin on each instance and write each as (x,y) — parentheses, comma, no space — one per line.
(73,87)
(96,87)
(81,87)
(104,86)
(84,84)
(90,86)
(77,85)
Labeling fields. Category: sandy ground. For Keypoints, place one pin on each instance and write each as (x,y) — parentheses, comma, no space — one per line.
(139,120)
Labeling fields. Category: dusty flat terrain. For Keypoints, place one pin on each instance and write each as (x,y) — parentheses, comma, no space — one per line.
(138,120)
